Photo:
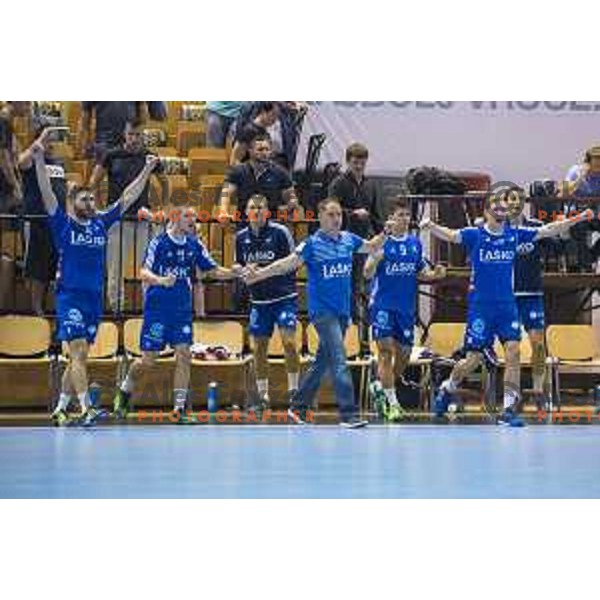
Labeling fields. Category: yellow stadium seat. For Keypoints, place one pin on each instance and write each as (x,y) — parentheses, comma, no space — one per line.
(190,134)
(233,375)
(27,373)
(573,350)
(104,363)
(74,177)
(165,151)
(444,339)
(206,161)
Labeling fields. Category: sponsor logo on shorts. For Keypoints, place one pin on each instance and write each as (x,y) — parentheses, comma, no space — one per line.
(75,315)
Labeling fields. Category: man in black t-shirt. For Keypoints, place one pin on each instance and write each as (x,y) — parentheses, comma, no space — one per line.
(259,175)
(40,253)
(122,165)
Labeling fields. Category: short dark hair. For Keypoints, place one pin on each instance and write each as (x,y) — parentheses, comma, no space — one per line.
(263,107)
(322,206)
(399,203)
(356,151)
(260,137)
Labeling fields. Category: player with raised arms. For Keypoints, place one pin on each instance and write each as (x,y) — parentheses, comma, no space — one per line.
(80,237)
(493,313)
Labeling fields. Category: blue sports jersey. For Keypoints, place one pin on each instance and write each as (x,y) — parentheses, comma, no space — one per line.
(395,282)
(81,248)
(272,242)
(167,255)
(328,262)
(492,258)
(529,268)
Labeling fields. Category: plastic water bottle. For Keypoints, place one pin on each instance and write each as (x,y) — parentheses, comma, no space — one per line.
(379,398)
(95,394)
(213,397)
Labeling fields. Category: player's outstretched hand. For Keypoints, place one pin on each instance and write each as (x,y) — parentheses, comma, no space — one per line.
(37,149)
(251,274)
(425,224)
(151,161)
(238,270)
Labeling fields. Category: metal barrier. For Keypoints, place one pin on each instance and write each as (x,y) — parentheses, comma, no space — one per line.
(128,240)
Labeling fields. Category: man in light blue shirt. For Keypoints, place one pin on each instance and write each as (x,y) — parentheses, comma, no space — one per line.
(328,258)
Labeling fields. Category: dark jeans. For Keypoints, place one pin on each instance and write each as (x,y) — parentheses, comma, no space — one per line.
(218,128)
(331,356)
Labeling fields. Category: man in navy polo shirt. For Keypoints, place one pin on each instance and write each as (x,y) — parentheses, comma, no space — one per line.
(260,175)
(274,301)
(327,255)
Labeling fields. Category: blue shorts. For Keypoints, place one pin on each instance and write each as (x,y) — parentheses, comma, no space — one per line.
(160,329)
(531,312)
(78,315)
(264,317)
(485,323)
(393,324)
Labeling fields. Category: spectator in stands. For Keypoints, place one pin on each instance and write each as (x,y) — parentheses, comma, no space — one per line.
(583,180)
(265,114)
(259,175)
(40,253)
(111,118)
(122,165)
(285,130)
(360,202)
(11,192)
(220,121)
(285,133)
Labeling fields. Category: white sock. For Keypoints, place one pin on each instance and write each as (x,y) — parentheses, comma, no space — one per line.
(180,397)
(293,381)
(63,401)
(391,396)
(84,401)
(127,384)
(449,386)
(262,385)
(510,399)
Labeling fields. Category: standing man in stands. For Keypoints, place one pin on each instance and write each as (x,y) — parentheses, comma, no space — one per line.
(259,175)
(220,121)
(361,205)
(122,165)
(80,237)
(274,301)
(327,255)
(110,119)
(40,253)
(169,267)
(11,192)
(265,115)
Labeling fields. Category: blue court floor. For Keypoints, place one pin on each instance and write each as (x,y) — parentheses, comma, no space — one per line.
(419,461)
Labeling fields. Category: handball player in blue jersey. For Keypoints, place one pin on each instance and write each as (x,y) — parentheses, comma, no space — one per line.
(274,301)
(395,272)
(327,255)
(529,293)
(493,313)
(80,238)
(167,273)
